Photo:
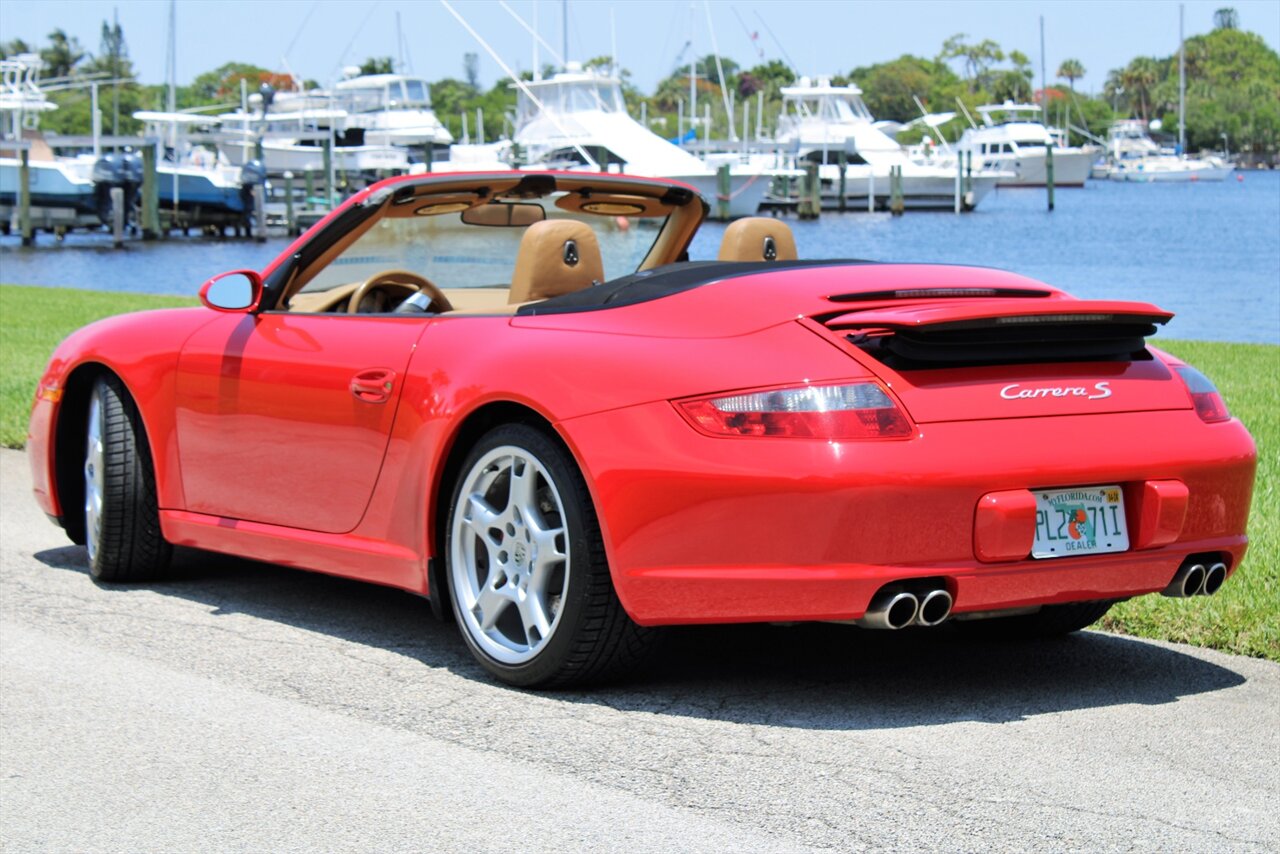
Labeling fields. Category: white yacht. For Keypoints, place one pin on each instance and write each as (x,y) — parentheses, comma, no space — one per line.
(1135,158)
(390,109)
(1011,139)
(820,121)
(61,188)
(292,131)
(582,111)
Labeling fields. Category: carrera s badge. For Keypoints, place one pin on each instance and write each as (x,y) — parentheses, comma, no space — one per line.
(1014,392)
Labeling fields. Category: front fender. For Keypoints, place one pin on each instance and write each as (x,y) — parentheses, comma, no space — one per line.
(142,350)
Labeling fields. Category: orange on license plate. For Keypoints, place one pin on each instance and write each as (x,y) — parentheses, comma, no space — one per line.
(1085,520)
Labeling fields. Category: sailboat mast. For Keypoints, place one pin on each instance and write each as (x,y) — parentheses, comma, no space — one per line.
(564,29)
(1044,82)
(693,72)
(1182,86)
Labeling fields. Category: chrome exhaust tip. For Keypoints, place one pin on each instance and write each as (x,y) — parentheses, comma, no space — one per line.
(1187,581)
(1213,579)
(890,611)
(935,607)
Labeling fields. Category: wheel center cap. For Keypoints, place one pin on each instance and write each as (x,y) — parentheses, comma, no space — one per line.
(520,554)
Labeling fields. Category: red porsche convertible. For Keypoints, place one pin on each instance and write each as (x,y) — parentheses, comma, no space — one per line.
(515,394)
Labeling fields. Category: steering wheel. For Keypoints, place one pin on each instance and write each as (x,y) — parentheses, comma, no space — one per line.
(402,280)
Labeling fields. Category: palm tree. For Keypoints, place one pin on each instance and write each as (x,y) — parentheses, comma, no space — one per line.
(1071,70)
(1140,78)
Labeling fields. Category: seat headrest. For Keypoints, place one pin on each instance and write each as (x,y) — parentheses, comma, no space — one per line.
(557,256)
(758,238)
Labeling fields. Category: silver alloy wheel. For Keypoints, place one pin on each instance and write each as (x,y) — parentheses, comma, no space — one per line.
(509,554)
(94,475)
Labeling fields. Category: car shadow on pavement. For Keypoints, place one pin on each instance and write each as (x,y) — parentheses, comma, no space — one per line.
(808,675)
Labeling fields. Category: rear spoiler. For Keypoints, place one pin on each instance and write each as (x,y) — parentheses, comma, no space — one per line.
(988,313)
(955,333)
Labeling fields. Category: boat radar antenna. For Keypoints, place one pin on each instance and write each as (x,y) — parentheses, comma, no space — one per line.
(523,87)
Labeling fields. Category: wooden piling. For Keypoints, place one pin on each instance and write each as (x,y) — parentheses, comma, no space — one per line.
(810,202)
(117,217)
(259,213)
(959,184)
(290,216)
(842,163)
(724,186)
(150,194)
(309,187)
(896,202)
(328,175)
(1048,171)
(24,198)
(429,153)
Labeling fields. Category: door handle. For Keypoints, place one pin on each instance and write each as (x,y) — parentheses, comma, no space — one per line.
(373,385)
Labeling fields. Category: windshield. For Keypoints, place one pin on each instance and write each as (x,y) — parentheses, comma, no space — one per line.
(454,254)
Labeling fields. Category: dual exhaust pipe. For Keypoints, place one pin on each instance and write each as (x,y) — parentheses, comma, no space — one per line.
(897,609)
(1194,578)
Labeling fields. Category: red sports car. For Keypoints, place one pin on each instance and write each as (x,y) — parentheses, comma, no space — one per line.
(515,394)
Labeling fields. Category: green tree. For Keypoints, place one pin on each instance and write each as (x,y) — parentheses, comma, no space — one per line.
(13,47)
(1071,70)
(978,57)
(1013,84)
(890,88)
(378,65)
(223,82)
(62,55)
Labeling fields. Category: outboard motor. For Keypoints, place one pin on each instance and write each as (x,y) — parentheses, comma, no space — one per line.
(118,169)
(252,173)
(108,172)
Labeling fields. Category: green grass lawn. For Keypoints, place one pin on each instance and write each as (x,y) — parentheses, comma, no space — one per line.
(32,322)
(1243,618)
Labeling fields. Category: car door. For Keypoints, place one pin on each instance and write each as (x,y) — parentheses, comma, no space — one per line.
(284,418)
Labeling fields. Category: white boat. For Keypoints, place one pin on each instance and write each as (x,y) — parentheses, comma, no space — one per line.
(580,122)
(821,122)
(390,109)
(1135,158)
(1011,139)
(61,188)
(292,132)
(191,177)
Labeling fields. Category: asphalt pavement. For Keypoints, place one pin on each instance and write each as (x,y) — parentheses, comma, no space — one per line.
(241,706)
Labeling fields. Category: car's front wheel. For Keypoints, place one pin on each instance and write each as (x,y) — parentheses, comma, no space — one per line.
(528,577)
(121,520)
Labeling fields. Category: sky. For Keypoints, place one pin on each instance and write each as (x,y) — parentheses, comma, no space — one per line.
(315,38)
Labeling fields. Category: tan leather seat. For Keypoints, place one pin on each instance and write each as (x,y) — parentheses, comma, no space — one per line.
(557,256)
(758,238)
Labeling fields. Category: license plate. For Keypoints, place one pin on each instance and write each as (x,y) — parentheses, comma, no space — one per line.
(1081,521)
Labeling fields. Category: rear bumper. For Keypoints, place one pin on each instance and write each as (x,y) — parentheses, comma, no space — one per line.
(704,530)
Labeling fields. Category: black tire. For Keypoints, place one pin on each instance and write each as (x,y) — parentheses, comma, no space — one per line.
(590,636)
(1050,621)
(123,535)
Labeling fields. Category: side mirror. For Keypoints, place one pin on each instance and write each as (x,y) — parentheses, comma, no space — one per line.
(238,290)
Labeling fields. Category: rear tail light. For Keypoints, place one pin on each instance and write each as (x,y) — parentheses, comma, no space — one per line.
(1204,395)
(861,410)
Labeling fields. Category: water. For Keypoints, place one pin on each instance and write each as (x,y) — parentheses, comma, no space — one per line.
(1208,252)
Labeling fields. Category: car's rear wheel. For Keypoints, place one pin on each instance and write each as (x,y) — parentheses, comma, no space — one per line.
(121,520)
(528,578)
(1049,621)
